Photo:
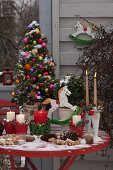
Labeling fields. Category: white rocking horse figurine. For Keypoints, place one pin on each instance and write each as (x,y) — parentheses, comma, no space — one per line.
(81,30)
(63,101)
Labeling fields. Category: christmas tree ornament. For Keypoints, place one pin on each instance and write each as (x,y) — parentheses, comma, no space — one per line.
(35,96)
(46,73)
(37,87)
(18,91)
(27,66)
(43,44)
(40,41)
(24,78)
(46,90)
(21,66)
(37,31)
(42,55)
(26,54)
(31,70)
(38,93)
(33,60)
(16,77)
(53,64)
(33,78)
(41,66)
(17,81)
(34,42)
(48,94)
(35,51)
(33,93)
(51,59)
(40,58)
(39,75)
(41,84)
(28,77)
(27,46)
(13,93)
(48,62)
(51,86)
(52,81)
(30,52)
(26,88)
(29,27)
(21,59)
(25,40)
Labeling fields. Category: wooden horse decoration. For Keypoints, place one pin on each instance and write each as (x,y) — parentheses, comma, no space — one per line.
(63,101)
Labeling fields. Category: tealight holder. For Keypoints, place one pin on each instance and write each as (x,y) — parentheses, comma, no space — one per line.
(22,139)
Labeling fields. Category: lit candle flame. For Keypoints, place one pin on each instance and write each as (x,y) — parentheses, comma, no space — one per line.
(95,74)
(86,72)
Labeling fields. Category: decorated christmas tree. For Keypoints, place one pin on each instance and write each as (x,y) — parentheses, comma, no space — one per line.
(35,78)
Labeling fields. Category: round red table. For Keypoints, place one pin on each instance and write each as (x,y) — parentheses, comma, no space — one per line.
(40,148)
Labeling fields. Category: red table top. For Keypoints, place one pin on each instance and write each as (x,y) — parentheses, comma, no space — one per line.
(40,148)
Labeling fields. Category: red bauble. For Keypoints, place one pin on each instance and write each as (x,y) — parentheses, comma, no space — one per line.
(91,112)
(28,77)
(42,55)
(33,60)
(85,29)
(82,115)
(40,41)
(41,84)
(48,94)
(46,73)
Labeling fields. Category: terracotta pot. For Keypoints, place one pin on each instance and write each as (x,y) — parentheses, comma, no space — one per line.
(9,128)
(64,113)
(20,129)
(78,129)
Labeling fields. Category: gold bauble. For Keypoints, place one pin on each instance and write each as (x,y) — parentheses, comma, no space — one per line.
(53,64)
(37,87)
(13,93)
(17,81)
(37,31)
(35,51)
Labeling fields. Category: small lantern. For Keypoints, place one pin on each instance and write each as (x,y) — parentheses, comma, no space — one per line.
(7,77)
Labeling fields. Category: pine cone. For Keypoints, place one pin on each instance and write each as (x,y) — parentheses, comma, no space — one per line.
(73,135)
(46,137)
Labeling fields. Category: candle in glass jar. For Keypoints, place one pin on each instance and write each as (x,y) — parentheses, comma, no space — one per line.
(87,89)
(76,119)
(20,118)
(10,116)
(95,89)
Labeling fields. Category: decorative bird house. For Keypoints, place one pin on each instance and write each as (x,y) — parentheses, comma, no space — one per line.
(7,77)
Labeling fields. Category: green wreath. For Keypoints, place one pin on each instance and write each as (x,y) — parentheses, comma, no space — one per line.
(62,122)
(80,40)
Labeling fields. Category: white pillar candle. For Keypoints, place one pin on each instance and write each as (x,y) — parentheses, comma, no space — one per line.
(76,119)
(20,118)
(10,116)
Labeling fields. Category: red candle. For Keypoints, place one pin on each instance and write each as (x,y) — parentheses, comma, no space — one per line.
(40,116)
